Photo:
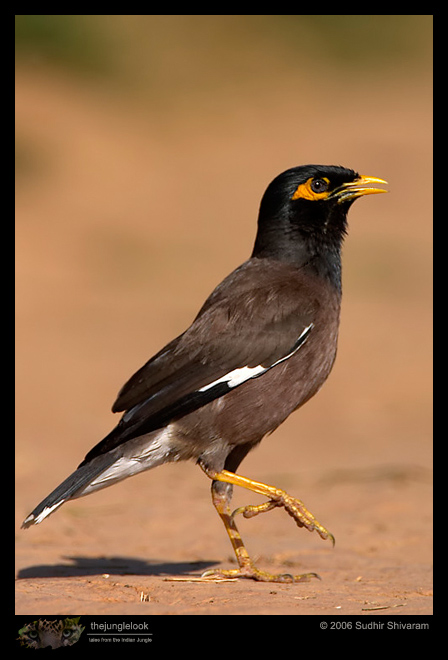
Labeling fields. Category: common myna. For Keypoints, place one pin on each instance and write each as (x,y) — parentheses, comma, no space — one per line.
(262,344)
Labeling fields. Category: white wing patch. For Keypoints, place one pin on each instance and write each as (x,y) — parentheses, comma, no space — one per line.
(240,375)
(237,376)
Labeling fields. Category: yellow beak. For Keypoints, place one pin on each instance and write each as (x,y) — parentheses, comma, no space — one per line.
(358,188)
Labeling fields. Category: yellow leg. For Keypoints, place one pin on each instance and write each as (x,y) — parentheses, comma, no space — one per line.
(277,497)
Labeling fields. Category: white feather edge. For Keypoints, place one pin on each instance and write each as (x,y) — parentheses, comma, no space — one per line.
(240,375)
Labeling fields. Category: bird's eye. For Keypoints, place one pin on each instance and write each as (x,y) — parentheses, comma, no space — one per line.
(319,185)
(314,188)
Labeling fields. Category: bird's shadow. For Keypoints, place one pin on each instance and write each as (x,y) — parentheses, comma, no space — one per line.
(114,566)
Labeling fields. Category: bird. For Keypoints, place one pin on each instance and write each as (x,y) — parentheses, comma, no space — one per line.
(262,344)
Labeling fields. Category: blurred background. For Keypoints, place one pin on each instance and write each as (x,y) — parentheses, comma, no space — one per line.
(143,146)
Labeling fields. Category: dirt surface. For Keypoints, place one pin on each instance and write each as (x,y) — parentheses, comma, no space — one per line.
(124,225)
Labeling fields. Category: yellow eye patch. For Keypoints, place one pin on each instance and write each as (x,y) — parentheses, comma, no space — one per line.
(314,188)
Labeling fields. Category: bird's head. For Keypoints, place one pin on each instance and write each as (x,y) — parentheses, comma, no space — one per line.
(305,208)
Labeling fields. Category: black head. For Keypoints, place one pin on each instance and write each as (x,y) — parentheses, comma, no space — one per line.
(303,212)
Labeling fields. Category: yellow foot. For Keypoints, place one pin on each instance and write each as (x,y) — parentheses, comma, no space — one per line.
(276,497)
(294,507)
(253,573)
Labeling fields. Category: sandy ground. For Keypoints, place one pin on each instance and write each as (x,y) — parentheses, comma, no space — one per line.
(127,224)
